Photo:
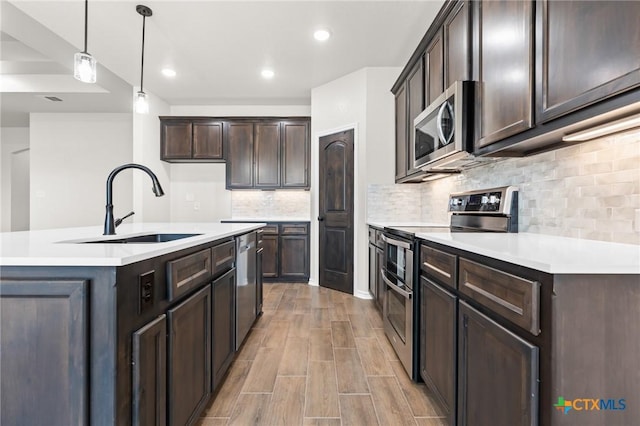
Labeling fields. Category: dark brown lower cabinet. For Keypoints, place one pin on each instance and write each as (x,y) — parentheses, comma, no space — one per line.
(497,373)
(223,326)
(373,271)
(438,344)
(149,386)
(382,286)
(44,379)
(270,255)
(189,358)
(294,257)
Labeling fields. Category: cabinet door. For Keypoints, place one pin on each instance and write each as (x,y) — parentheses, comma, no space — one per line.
(239,151)
(223,326)
(505,59)
(373,270)
(457,53)
(44,362)
(497,373)
(149,385)
(189,357)
(295,154)
(259,280)
(589,50)
(438,344)
(382,287)
(294,257)
(175,139)
(401,133)
(267,155)
(270,256)
(207,140)
(415,94)
(434,64)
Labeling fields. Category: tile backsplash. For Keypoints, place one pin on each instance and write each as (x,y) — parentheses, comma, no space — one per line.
(589,191)
(271,204)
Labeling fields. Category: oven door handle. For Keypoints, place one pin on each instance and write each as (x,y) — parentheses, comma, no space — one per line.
(404,293)
(395,242)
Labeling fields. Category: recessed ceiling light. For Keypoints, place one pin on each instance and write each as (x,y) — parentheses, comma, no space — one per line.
(268,74)
(322,35)
(168,72)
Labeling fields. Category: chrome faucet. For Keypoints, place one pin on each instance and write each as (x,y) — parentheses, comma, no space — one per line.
(109,223)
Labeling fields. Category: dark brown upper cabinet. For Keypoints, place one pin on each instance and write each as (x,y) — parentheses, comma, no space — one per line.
(190,140)
(415,98)
(504,53)
(267,153)
(239,148)
(434,64)
(295,154)
(402,141)
(588,51)
(457,39)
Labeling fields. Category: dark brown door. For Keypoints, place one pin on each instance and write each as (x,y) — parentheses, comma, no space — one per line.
(239,151)
(189,360)
(267,155)
(434,75)
(415,93)
(207,140)
(336,211)
(401,133)
(497,373)
(176,139)
(505,68)
(295,154)
(223,325)
(456,52)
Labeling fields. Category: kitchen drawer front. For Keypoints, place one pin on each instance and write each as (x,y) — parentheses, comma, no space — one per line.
(514,298)
(294,228)
(188,272)
(438,264)
(223,257)
(271,229)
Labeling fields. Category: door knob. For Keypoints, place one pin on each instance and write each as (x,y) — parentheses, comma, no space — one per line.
(321,218)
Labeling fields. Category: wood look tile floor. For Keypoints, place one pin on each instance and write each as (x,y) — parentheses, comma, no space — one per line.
(319,357)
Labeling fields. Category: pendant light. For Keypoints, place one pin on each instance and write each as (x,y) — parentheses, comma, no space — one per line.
(140,102)
(84,65)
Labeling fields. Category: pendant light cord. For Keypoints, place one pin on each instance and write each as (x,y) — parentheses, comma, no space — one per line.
(86,25)
(144,19)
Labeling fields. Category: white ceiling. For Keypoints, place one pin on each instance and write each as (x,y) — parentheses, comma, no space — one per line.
(217,48)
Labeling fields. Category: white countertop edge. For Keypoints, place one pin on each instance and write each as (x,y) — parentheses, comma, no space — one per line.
(400,224)
(54,240)
(267,219)
(567,262)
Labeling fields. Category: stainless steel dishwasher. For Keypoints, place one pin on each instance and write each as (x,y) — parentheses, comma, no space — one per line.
(245,285)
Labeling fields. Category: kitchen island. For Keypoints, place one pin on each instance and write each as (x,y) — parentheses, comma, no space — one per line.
(112,333)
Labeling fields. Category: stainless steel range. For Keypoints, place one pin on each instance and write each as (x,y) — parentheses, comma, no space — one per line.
(488,210)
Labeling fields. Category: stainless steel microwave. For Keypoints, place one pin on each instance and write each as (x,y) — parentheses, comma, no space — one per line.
(444,130)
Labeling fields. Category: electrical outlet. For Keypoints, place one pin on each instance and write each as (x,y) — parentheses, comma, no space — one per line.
(196,205)
(145,291)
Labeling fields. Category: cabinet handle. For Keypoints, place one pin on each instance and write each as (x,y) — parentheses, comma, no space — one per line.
(436,269)
(494,298)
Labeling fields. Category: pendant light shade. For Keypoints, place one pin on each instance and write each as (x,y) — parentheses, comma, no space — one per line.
(140,102)
(84,65)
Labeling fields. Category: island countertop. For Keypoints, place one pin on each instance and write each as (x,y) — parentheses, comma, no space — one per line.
(62,247)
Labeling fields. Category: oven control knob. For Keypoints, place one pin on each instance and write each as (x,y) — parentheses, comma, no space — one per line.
(484,199)
(456,201)
(494,199)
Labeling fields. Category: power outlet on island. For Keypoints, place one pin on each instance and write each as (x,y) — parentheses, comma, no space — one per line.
(145,291)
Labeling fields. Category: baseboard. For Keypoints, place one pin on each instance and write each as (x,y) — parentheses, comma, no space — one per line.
(362,294)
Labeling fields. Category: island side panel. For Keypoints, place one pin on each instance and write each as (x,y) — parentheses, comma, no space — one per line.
(596,347)
(99,347)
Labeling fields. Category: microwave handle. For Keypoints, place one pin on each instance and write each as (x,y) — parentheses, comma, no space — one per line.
(443,107)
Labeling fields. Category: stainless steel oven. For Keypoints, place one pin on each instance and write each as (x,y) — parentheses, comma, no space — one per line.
(399,301)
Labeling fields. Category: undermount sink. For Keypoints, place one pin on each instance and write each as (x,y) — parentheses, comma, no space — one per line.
(139,239)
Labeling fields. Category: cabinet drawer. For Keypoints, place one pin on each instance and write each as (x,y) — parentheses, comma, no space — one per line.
(512,297)
(438,264)
(187,272)
(223,257)
(298,228)
(270,229)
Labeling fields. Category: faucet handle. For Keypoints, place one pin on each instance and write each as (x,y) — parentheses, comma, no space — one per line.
(119,221)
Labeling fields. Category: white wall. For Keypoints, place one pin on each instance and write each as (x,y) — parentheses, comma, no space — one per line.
(71,157)
(12,140)
(20,190)
(146,151)
(361,100)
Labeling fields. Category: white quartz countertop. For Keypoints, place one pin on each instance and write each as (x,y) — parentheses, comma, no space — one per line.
(551,254)
(57,247)
(401,224)
(269,219)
